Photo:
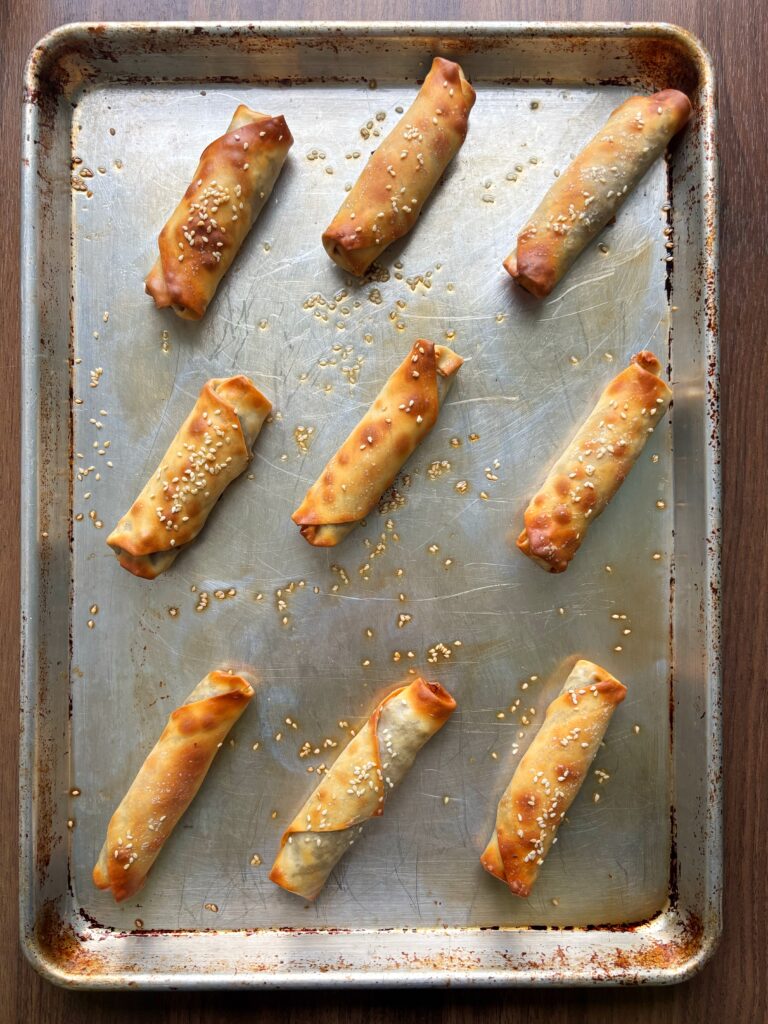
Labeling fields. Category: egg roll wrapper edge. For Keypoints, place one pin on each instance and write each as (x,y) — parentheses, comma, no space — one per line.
(594,464)
(167,782)
(211,449)
(356,786)
(385,202)
(550,775)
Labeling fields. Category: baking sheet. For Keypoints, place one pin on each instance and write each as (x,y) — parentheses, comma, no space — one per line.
(491,626)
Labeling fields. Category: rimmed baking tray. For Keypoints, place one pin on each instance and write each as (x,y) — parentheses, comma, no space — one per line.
(114,119)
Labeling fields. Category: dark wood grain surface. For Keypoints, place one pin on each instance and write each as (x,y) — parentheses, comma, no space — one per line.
(732,988)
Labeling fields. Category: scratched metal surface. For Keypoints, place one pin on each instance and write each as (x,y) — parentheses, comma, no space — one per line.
(321,344)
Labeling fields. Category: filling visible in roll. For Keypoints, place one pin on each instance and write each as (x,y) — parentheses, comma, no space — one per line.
(403,413)
(549,776)
(168,781)
(232,183)
(595,464)
(589,193)
(390,193)
(211,449)
(356,787)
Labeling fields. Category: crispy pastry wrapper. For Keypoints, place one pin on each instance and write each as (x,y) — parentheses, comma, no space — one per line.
(550,774)
(589,193)
(403,413)
(211,449)
(356,787)
(390,193)
(595,464)
(168,781)
(230,187)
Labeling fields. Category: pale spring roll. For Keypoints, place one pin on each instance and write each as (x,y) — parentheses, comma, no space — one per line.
(549,776)
(229,189)
(389,195)
(595,464)
(356,787)
(211,449)
(403,413)
(589,193)
(168,781)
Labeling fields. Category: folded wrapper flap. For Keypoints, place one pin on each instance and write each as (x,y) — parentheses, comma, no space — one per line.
(356,786)
(355,804)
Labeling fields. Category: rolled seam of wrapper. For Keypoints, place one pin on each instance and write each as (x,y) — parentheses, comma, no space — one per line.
(550,775)
(210,450)
(394,185)
(593,188)
(230,187)
(403,413)
(355,788)
(168,781)
(594,464)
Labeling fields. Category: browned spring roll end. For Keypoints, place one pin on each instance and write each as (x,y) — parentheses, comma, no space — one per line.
(434,700)
(647,361)
(540,277)
(676,100)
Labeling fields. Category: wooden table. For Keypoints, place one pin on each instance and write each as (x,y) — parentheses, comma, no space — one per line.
(733,986)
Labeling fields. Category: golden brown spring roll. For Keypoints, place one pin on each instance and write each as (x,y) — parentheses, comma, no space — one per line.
(232,183)
(550,775)
(390,193)
(595,464)
(212,447)
(356,787)
(168,781)
(589,193)
(403,413)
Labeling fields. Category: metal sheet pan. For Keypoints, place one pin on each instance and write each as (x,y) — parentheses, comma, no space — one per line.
(115,116)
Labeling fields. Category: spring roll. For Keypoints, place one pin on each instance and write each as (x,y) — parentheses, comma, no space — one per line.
(356,787)
(168,781)
(589,193)
(390,193)
(232,183)
(550,775)
(212,447)
(595,464)
(403,413)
